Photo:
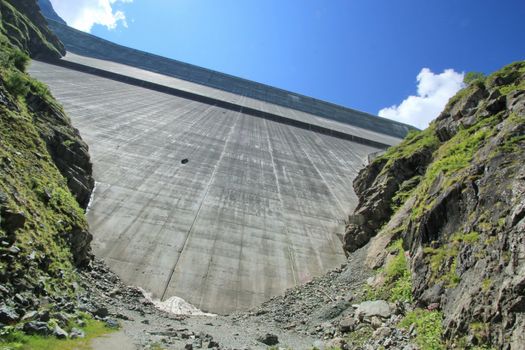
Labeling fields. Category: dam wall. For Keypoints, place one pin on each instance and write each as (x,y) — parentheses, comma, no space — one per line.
(87,45)
(210,188)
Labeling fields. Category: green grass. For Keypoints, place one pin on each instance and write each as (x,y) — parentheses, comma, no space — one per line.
(472,77)
(443,259)
(451,158)
(514,143)
(428,326)
(359,337)
(469,238)
(16,83)
(443,263)
(18,341)
(414,141)
(398,280)
(404,192)
(486,284)
(32,182)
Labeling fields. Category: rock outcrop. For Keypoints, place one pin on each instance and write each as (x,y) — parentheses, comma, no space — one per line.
(455,195)
(26,28)
(45,180)
(49,12)
(68,151)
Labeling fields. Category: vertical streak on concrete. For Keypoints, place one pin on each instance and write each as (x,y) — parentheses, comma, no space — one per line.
(152,172)
(322,177)
(208,186)
(288,241)
(252,195)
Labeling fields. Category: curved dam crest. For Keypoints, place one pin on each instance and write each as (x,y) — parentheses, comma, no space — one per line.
(213,203)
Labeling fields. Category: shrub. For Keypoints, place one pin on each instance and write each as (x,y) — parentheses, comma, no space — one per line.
(471,77)
(16,83)
(429,328)
(398,280)
(20,60)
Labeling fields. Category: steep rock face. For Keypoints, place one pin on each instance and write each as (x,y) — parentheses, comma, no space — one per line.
(27,29)
(463,216)
(43,230)
(49,12)
(377,184)
(68,151)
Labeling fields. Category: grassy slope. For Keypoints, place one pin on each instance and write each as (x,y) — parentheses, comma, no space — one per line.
(31,184)
(451,164)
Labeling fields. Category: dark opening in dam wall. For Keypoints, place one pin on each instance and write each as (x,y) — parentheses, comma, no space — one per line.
(205,192)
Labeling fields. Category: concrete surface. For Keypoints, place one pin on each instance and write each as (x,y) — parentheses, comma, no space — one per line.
(87,45)
(255,210)
(188,89)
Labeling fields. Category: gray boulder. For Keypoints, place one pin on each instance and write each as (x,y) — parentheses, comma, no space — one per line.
(374,308)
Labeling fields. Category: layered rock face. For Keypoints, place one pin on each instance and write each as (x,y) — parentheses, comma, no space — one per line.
(27,29)
(454,194)
(49,12)
(44,165)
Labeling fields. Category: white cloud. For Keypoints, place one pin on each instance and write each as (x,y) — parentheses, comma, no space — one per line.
(433,92)
(83,14)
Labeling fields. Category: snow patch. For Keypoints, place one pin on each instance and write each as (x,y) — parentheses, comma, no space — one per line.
(175,305)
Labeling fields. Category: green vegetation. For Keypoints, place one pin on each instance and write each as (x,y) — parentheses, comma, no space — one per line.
(469,238)
(16,83)
(471,77)
(508,73)
(428,326)
(481,331)
(486,284)
(397,285)
(449,161)
(443,259)
(443,264)
(11,339)
(20,60)
(414,141)
(33,186)
(358,338)
(404,192)
(24,34)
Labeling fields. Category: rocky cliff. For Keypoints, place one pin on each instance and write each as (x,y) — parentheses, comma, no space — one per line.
(44,165)
(49,12)
(25,27)
(450,203)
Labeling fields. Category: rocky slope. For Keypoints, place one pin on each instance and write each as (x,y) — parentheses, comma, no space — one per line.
(44,165)
(436,253)
(49,12)
(26,29)
(453,197)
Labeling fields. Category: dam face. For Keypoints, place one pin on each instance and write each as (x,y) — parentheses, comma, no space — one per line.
(216,197)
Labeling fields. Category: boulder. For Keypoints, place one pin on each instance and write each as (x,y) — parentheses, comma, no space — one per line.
(37,328)
(8,315)
(77,333)
(268,339)
(59,332)
(378,308)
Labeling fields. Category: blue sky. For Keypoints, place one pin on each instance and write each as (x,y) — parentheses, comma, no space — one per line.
(367,55)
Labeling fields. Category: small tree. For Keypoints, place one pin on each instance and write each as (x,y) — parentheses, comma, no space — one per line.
(471,77)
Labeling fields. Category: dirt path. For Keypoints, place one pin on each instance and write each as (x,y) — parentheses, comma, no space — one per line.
(299,319)
(113,341)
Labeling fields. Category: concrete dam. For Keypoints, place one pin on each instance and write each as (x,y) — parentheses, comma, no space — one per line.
(211,188)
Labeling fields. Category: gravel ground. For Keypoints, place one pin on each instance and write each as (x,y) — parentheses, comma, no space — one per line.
(312,315)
